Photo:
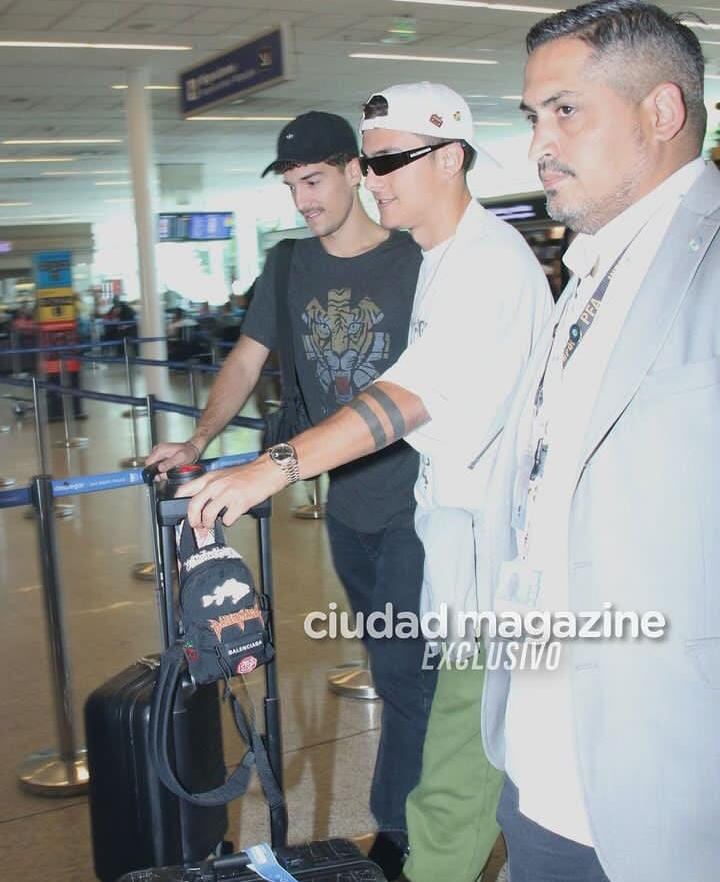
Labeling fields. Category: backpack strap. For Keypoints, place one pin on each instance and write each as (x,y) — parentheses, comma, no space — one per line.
(291,392)
(172,667)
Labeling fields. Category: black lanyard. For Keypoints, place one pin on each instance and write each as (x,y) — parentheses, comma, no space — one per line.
(579,329)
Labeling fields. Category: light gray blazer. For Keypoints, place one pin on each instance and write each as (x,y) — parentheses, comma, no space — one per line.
(645,534)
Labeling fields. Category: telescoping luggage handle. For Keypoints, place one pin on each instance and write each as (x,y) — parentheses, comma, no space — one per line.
(170,511)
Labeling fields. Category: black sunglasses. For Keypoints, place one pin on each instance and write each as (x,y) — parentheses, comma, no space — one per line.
(385,163)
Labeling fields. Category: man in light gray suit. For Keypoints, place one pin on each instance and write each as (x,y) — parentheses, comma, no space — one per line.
(606,487)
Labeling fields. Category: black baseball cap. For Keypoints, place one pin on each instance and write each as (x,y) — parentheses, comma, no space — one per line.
(313,137)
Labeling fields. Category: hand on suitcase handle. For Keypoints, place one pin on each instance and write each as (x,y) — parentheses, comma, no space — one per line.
(230,493)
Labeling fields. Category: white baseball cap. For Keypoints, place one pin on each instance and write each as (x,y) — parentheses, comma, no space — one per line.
(425,109)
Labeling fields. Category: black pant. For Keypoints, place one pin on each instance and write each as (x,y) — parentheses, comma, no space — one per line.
(375,569)
(539,855)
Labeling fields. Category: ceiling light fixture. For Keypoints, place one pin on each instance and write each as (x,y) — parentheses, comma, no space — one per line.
(63,141)
(39,159)
(13,204)
(474,4)
(26,217)
(150,88)
(50,44)
(490,123)
(381,56)
(119,199)
(65,174)
(709,42)
(511,97)
(240,118)
(112,183)
(712,76)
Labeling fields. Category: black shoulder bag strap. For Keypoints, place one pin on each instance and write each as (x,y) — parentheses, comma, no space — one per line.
(291,391)
(172,666)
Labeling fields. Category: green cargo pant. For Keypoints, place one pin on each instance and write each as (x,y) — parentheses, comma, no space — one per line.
(451,812)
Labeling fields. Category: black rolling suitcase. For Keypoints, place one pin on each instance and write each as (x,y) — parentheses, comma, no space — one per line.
(334,860)
(135,820)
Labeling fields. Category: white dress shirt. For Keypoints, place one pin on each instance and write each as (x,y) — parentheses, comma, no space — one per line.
(541,754)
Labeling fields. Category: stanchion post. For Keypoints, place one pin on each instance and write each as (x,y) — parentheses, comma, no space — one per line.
(135,460)
(61,511)
(16,364)
(94,339)
(69,441)
(130,379)
(315,510)
(39,428)
(145,570)
(152,419)
(5,482)
(63,772)
(192,386)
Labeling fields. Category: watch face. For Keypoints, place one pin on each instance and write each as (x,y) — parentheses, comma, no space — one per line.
(282,453)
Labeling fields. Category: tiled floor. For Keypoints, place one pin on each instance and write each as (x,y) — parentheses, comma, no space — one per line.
(329,741)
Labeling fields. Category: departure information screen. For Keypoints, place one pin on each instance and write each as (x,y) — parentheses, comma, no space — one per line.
(195,226)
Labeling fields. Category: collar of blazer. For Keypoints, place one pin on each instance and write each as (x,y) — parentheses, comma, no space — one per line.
(656,304)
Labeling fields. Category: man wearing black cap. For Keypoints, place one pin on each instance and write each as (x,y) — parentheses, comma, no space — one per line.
(349,298)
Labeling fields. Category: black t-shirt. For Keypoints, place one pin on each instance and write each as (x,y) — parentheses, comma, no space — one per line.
(349,318)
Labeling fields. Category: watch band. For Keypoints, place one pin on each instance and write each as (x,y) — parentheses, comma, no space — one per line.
(285,458)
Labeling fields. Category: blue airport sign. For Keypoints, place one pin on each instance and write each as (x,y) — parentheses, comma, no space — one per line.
(53,269)
(263,61)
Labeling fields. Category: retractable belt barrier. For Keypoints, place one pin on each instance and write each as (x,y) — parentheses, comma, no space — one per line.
(64,772)
(133,401)
(110,359)
(82,484)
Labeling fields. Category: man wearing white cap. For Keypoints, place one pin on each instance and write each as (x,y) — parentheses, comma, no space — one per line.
(480,302)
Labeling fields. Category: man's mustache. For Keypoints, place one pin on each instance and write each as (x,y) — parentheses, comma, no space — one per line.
(554,167)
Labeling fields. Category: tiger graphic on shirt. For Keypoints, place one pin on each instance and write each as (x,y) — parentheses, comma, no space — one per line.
(342,341)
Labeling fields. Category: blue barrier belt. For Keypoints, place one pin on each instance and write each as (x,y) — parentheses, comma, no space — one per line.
(76,486)
(265,864)
(11,498)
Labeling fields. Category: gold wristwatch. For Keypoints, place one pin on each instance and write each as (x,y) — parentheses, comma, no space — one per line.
(285,457)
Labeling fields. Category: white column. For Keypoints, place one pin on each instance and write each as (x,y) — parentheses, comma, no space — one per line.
(144,186)
(246,239)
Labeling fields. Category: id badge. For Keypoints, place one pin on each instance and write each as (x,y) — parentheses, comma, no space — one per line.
(520,492)
(518,586)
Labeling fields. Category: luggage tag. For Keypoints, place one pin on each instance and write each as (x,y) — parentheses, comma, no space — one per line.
(265,864)
(518,587)
(200,540)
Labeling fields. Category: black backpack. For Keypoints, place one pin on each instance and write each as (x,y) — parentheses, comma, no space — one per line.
(223,633)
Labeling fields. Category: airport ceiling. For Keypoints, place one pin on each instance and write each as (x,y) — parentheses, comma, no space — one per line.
(67,93)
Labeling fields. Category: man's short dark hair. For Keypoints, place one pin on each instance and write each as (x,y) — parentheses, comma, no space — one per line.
(376,106)
(644,38)
(337,160)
